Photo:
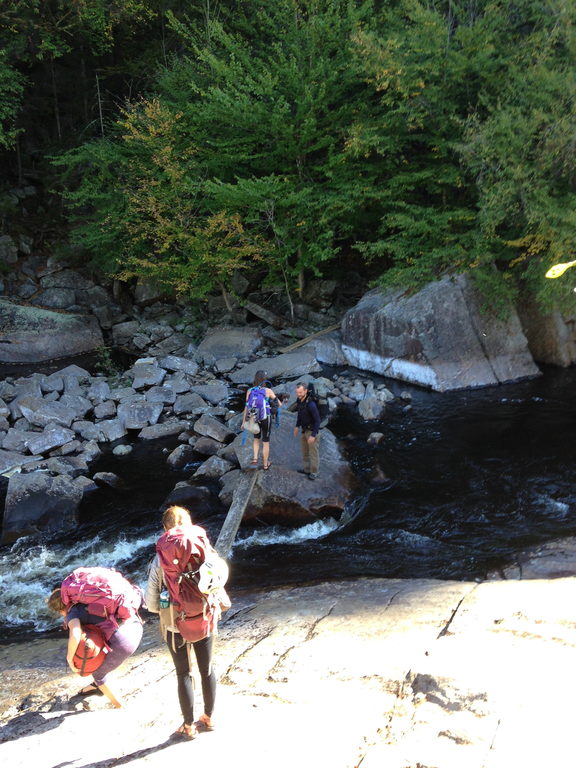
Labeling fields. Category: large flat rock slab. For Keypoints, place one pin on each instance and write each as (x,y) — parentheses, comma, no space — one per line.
(440,338)
(30,334)
(368,672)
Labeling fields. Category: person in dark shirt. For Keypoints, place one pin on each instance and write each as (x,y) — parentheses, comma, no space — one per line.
(308,421)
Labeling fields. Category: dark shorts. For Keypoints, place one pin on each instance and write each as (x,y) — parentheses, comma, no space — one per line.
(265,429)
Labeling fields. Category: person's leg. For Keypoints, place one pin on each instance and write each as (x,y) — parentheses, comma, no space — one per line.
(314,455)
(305,452)
(255,450)
(203,652)
(122,644)
(179,653)
(265,429)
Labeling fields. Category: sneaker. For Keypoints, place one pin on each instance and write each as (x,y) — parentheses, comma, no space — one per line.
(312,475)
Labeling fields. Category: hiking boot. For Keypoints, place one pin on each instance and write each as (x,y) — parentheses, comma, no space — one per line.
(312,475)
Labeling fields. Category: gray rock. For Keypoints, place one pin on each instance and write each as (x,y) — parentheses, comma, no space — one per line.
(207,446)
(139,415)
(73,466)
(89,431)
(55,298)
(220,343)
(180,364)
(357,391)
(226,364)
(7,391)
(91,451)
(123,333)
(113,429)
(123,450)
(78,405)
(65,278)
(375,437)
(74,446)
(8,250)
(214,467)
(550,335)
(287,366)
(327,349)
(52,383)
(215,392)
(178,383)
(161,395)
(190,403)
(15,440)
(194,498)
(282,492)
(52,437)
(28,402)
(105,410)
(99,391)
(48,413)
(121,394)
(438,338)
(108,480)
(167,429)
(31,334)
(74,371)
(85,484)
(210,427)
(38,503)
(180,457)
(147,375)
(4,410)
(11,460)
(371,408)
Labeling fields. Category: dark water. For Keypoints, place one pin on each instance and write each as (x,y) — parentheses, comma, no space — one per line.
(467,480)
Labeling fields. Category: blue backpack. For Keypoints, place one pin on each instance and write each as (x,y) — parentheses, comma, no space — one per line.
(257,404)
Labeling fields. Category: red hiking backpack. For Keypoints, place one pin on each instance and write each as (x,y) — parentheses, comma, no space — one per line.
(105,593)
(91,650)
(181,552)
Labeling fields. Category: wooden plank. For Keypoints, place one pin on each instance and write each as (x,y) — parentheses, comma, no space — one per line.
(235,513)
(301,342)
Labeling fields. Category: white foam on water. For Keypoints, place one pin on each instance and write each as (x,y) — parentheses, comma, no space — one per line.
(278,535)
(28,573)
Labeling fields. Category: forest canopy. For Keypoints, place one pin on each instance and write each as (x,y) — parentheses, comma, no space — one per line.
(190,140)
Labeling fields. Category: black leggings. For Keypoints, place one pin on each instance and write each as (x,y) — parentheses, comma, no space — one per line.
(203,653)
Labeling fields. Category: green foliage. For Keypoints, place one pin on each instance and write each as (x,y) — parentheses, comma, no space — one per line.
(426,137)
(11,89)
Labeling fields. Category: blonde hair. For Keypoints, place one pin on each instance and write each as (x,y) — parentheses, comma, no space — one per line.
(175,516)
(54,602)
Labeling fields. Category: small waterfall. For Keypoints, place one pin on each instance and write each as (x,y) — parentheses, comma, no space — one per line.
(30,570)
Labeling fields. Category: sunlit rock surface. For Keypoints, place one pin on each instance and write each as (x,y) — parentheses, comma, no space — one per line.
(439,338)
(368,672)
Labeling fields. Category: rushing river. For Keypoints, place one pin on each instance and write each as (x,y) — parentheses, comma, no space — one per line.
(467,479)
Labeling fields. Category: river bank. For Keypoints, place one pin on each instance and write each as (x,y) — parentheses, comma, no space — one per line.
(370,672)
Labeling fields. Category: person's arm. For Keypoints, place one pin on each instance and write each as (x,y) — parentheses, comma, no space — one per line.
(315,413)
(154,586)
(74,636)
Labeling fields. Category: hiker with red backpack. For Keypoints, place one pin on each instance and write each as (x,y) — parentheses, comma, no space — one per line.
(258,419)
(100,609)
(185,586)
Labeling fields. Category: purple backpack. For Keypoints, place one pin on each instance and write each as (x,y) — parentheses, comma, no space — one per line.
(258,404)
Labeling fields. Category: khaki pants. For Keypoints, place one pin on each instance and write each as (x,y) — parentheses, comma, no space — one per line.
(310,452)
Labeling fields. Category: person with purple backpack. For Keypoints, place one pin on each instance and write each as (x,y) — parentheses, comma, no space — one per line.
(258,399)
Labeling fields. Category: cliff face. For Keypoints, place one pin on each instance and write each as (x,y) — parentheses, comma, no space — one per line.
(371,672)
(439,337)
